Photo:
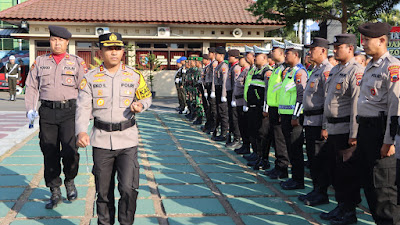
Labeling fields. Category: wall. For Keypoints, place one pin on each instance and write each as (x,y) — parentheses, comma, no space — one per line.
(164,83)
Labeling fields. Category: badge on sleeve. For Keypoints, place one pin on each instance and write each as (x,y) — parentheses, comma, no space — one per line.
(83,84)
(312,84)
(298,78)
(223,70)
(394,73)
(142,91)
(373,92)
(358,78)
(338,86)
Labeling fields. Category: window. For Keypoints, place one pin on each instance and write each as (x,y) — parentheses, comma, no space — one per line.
(194,45)
(84,44)
(43,44)
(177,46)
(144,45)
(160,45)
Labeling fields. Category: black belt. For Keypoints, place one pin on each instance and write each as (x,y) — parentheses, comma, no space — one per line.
(59,104)
(313,112)
(338,119)
(109,127)
(239,96)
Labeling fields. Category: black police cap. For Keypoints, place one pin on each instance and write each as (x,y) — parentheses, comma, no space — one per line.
(318,42)
(206,56)
(57,31)
(234,53)
(211,49)
(345,39)
(111,39)
(374,30)
(220,50)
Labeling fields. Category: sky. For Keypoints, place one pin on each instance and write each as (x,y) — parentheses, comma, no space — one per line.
(397,6)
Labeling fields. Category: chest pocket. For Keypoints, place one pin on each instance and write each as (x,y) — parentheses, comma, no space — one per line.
(68,77)
(374,90)
(126,96)
(340,86)
(101,98)
(44,78)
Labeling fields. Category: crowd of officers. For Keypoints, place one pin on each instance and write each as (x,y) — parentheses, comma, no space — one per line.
(344,108)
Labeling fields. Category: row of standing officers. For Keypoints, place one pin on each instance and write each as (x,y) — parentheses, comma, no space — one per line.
(346,114)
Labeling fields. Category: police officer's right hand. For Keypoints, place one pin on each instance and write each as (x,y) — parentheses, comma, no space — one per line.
(83,140)
(387,150)
(212,94)
(324,134)
(205,94)
(245,108)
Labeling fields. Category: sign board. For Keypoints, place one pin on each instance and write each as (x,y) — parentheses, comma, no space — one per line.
(394,42)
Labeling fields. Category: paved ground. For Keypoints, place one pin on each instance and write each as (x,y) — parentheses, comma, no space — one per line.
(185,179)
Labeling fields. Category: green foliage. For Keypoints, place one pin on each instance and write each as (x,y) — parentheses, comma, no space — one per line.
(98,62)
(345,11)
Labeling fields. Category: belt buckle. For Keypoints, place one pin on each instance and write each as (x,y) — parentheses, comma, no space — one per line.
(116,127)
(63,101)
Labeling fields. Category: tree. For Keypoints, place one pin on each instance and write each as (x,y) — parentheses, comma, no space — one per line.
(292,11)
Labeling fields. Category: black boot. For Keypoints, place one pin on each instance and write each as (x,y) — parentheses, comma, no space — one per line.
(220,138)
(198,121)
(55,198)
(332,214)
(291,185)
(317,199)
(251,157)
(279,174)
(346,216)
(263,164)
(228,139)
(254,162)
(306,196)
(72,193)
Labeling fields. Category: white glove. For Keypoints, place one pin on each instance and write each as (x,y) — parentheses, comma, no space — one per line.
(31,116)
(223,99)
(212,95)
(205,94)
(245,108)
(184,71)
(176,80)
(233,103)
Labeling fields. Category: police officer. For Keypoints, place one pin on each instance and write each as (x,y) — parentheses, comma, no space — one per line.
(290,109)
(233,74)
(13,73)
(271,111)
(313,101)
(181,93)
(255,88)
(378,110)
(340,128)
(54,79)
(210,93)
(220,95)
(112,93)
(178,78)
(238,100)
(206,85)
(250,55)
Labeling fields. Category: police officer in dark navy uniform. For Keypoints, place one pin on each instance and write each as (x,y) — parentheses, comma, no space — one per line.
(378,112)
(54,79)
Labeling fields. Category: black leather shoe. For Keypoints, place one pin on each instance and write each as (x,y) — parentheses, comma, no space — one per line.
(269,172)
(203,128)
(316,199)
(345,217)
(220,138)
(332,214)
(263,164)
(245,151)
(252,157)
(239,148)
(55,198)
(291,185)
(279,174)
(72,193)
(228,140)
(306,196)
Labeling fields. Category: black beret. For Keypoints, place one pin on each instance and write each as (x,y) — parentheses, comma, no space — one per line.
(234,52)
(220,50)
(61,32)
(111,39)
(374,30)
(345,39)
(206,56)
(211,49)
(318,42)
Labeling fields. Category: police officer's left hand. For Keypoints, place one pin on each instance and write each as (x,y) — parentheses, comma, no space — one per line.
(387,150)
(136,107)
(295,123)
(352,141)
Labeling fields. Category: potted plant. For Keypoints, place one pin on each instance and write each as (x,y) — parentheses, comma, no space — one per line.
(152,65)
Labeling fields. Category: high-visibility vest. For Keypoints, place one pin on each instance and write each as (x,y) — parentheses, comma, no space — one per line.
(288,96)
(274,87)
(247,82)
(254,92)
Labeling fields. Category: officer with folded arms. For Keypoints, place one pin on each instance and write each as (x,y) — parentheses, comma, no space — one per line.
(113,93)
(54,79)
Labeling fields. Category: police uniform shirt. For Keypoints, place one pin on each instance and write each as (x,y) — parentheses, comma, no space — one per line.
(300,81)
(221,76)
(314,94)
(212,72)
(380,91)
(341,95)
(108,97)
(208,73)
(238,89)
(233,73)
(50,81)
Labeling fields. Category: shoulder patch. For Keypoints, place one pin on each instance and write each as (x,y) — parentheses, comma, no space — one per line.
(298,78)
(223,69)
(83,84)
(394,73)
(142,91)
(326,74)
(33,65)
(358,78)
